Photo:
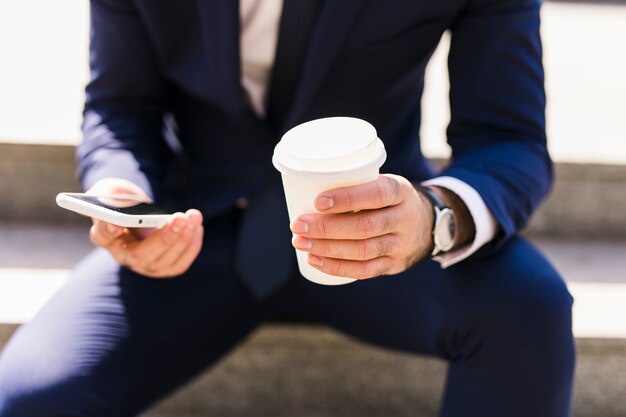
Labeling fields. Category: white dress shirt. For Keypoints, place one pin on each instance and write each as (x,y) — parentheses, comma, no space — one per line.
(260,21)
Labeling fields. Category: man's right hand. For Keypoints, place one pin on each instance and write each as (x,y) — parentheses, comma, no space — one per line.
(156,253)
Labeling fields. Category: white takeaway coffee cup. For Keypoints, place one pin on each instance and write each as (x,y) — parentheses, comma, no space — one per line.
(321,155)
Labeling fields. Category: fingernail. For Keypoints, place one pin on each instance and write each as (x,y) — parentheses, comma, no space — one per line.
(178,225)
(112,229)
(324,202)
(299,227)
(301,243)
(315,261)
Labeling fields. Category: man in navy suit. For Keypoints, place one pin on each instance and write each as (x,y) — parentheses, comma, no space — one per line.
(185,104)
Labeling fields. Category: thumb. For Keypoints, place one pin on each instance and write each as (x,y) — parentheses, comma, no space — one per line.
(103,233)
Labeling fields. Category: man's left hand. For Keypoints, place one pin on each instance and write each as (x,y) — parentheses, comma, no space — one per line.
(378,228)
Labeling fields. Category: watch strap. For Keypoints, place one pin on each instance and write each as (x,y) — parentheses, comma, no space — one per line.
(433,197)
(438,206)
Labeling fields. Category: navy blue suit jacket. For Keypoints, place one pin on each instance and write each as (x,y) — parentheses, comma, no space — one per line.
(165,108)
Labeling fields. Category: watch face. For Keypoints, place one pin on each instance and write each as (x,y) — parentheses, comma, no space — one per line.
(445,230)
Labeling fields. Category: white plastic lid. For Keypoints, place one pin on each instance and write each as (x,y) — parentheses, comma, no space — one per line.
(329,146)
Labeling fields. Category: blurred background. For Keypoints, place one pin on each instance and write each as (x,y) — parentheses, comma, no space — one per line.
(581,226)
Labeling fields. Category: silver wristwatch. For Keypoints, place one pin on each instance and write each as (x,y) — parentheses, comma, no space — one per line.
(444,225)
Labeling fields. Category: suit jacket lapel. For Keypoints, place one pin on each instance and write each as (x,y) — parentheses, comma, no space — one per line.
(334,24)
(221,36)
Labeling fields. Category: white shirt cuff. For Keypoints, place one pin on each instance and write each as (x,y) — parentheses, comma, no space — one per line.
(485,223)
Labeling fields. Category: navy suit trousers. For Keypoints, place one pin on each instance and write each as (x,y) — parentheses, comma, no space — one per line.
(111,343)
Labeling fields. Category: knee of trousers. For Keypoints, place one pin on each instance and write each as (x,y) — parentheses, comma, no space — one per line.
(65,399)
(536,307)
(521,307)
(35,382)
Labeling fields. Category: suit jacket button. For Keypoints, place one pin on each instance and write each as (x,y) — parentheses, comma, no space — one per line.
(242,203)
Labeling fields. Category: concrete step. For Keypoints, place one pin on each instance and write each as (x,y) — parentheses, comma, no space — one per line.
(588,200)
(599,310)
(312,371)
(35,260)
(286,370)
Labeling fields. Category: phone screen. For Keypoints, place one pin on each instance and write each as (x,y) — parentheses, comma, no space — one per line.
(124,206)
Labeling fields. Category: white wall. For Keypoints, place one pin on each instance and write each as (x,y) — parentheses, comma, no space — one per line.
(585,63)
(43,68)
